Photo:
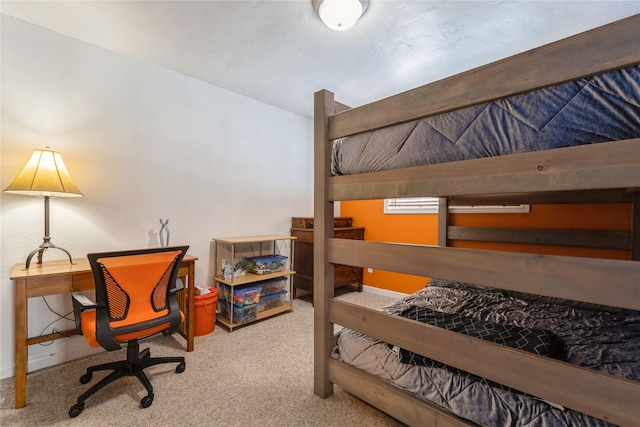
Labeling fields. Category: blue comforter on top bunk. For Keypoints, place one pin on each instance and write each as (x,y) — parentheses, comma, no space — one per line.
(601,108)
(601,338)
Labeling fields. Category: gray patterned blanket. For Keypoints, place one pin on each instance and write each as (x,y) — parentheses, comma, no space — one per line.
(539,341)
(601,108)
(601,338)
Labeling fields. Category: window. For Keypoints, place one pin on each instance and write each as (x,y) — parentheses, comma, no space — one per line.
(423,205)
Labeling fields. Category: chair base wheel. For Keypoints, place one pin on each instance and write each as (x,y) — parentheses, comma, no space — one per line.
(76,410)
(146,401)
(84,379)
(180,368)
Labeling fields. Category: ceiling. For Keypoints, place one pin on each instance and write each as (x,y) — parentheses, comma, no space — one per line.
(280,53)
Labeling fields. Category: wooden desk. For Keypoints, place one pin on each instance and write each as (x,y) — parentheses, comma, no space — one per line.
(61,277)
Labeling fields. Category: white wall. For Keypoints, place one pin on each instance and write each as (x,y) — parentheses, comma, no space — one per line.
(142,143)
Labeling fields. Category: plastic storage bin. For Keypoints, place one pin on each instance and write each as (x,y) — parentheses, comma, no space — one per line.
(267,264)
(273,300)
(242,295)
(272,286)
(240,314)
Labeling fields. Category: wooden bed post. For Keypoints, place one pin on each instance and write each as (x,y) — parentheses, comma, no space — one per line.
(323,231)
(443,221)
(635,226)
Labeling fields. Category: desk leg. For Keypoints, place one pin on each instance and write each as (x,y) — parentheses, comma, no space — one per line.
(191,316)
(21,346)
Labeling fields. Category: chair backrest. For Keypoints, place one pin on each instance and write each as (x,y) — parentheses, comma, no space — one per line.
(134,292)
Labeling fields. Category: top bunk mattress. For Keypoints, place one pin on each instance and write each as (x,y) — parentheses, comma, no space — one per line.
(601,108)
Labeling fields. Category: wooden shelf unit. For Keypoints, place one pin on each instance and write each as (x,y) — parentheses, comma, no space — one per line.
(224,321)
(235,247)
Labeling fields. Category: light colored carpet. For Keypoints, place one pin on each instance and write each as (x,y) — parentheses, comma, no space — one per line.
(261,374)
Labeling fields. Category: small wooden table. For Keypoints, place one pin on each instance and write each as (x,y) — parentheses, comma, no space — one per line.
(60,277)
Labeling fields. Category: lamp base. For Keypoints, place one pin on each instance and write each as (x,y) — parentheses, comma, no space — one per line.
(46,240)
(40,250)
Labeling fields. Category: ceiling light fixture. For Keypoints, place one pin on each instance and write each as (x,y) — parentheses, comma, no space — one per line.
(340,15)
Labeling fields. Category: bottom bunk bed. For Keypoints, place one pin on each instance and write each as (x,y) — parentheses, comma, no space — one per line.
(509,339)
(600,338)
(580,336)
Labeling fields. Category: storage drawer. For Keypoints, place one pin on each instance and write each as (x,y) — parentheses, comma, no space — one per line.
(307,223)
(44,285)
(304,236)
(350,233)
(302,282)
(347,275)
(83,282)
(302,223)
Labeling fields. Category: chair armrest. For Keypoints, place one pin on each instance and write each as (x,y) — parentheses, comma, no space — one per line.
(80,303)
(177,286)
(84,301)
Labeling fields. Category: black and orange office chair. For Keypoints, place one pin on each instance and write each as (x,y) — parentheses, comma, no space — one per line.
(135,298)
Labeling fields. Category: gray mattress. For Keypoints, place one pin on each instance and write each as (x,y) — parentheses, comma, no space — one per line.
(600,338)
(601,108)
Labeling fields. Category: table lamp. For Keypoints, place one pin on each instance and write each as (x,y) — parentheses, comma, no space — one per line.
(46,176)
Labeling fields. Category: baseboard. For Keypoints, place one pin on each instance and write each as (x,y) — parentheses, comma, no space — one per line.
(56,358)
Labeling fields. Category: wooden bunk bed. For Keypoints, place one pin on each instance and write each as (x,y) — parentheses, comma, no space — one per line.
(603,173)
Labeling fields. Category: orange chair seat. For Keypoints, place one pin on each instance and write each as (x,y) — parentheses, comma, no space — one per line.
(88,326)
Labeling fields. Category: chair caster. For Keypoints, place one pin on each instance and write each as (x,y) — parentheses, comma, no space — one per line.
(146,401)
(180,368)
(76,410)
(85,379)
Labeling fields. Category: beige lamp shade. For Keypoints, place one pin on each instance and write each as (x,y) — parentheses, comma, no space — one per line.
(45,175)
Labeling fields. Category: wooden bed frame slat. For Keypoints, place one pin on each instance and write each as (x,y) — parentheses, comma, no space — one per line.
(610,165)
(390,399)
(598,50)
(555,197)
(604,396)
(598,281)
(601,239)
(635,227)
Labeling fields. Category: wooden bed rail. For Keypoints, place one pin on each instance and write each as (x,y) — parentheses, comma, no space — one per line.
(601,239)
(554,197)
(405,406)
(608,165)
(597,281)
(592,52)
(604,396)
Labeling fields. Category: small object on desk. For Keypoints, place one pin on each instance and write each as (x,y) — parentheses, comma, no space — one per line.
(164,229)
